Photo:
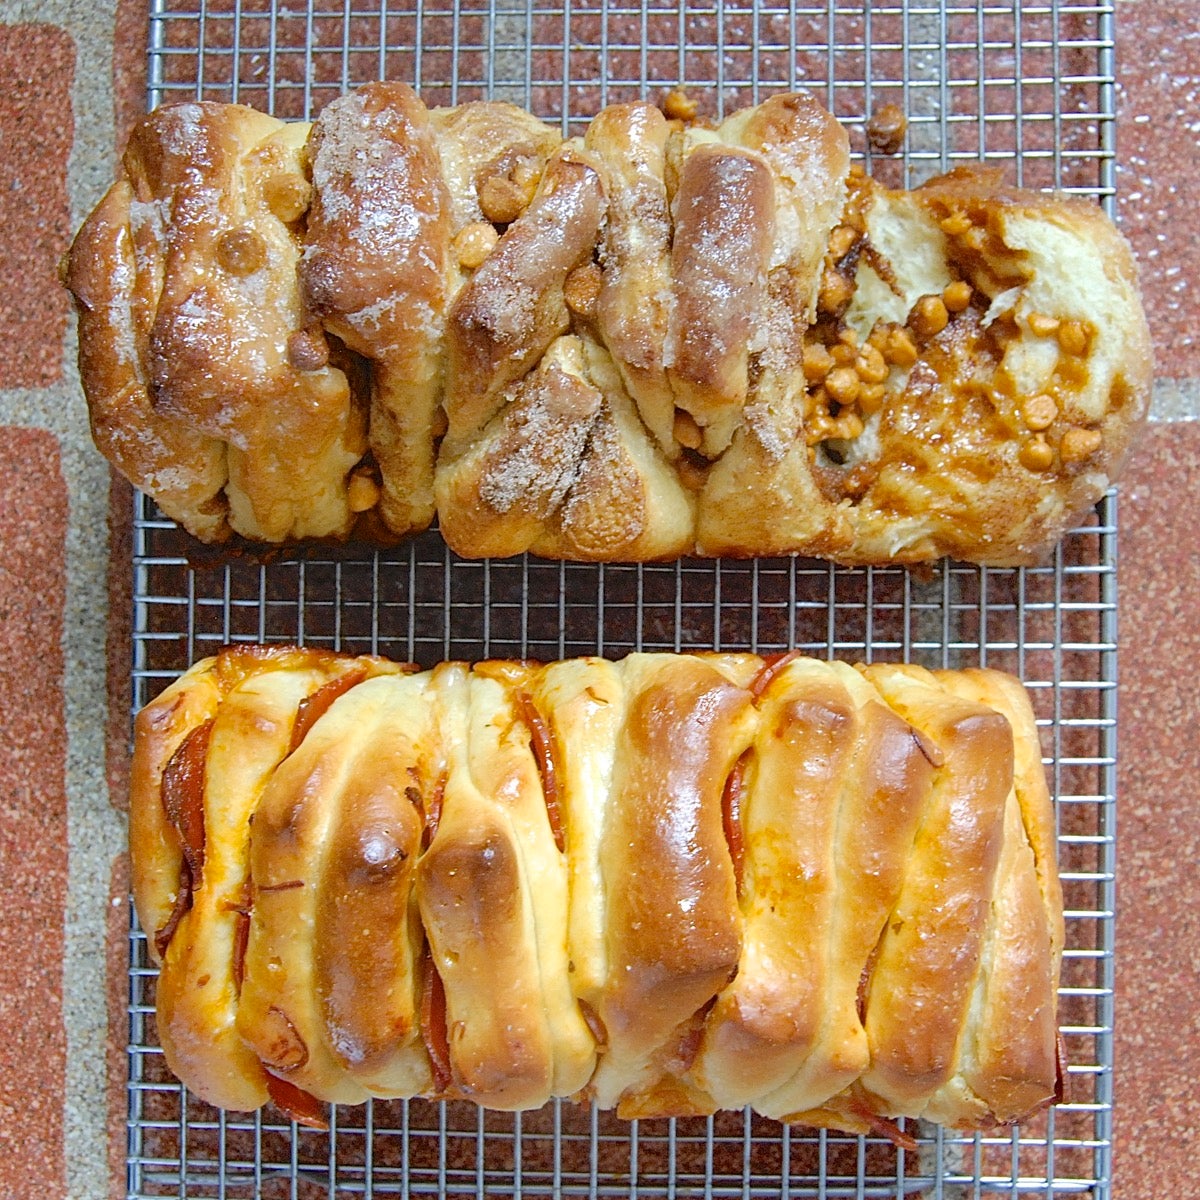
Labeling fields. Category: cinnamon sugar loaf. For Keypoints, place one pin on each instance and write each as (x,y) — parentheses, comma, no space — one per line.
(670,884)
(654,340)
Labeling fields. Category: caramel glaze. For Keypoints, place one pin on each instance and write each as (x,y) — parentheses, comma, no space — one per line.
(775,842)
(955,416)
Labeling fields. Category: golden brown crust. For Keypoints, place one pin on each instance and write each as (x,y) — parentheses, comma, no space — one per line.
(931,952)
(182,468)
(724,212)
(780,357)
(513,308)
(368,985)
(375,271)
(1014,1063)
(672,931)
(633,306)
(696,881)
(501,494)
(834,788)
(155,853)
(493,895)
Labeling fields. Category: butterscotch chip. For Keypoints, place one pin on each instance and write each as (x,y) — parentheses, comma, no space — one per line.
(679,106)
(843,355)
(928,317)
(817,403)
(841,241)
(870,398)
(957,296)
(1072,337)
(817,362)
(975,238)
(307,350)
(901,349)
(1036,455)
(870,365)
(1039,412)
(886,128)
(582,289)
(1077,444)
(241,251)
(502,199)
(287,196)
(836,293)
(843,384)
(474,243)
(956,224)
(362,493)
(1041,324)
(848,425)
(818,429)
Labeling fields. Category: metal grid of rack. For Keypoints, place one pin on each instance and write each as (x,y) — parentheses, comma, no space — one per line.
(1026,85)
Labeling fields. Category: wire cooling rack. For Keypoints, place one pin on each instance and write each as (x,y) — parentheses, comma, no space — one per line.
(1027,85)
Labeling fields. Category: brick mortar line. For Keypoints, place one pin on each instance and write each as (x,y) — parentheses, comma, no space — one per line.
(95,831)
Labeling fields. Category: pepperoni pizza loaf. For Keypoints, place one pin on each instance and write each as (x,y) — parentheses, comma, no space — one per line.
(670,884)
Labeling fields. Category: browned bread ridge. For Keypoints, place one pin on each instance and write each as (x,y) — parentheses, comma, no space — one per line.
(670,884)
(655,340)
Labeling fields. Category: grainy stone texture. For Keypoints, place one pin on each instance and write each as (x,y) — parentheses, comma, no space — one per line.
(1158,142)
(33,815)
(75,82)
(37,63)
(1158,830)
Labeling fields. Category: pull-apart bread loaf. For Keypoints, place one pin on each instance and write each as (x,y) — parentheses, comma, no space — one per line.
(654,340)
(670,884)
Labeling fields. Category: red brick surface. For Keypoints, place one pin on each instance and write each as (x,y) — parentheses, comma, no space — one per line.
(1158,824)
(129,64)
(37,66)
(1158,142)
(33,815)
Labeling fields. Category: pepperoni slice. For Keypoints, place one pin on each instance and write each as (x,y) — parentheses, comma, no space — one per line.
(433,813)
(242,907)
(732,803)
(183,796)
(883,1127)
(592,1019)
(301,1106)
(772,666)
(541,741)
(313,708)
(433,1024)
(183,804)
